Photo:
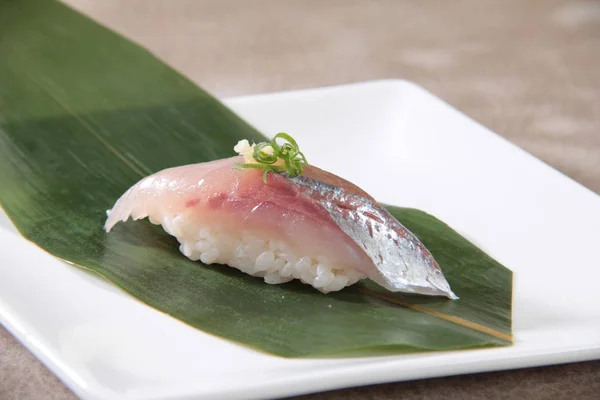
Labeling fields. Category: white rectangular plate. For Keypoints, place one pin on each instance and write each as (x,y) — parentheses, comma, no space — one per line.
(404,146)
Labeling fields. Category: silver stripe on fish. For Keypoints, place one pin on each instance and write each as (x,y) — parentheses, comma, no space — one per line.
(403,263)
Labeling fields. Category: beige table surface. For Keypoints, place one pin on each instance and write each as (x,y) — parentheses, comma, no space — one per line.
(527,69)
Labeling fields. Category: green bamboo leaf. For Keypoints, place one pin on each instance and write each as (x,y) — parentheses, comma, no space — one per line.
(84,114)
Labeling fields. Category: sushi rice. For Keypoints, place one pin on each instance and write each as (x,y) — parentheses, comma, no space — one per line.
(272,260)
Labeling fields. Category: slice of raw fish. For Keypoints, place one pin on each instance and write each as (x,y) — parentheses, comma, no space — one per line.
(318,227)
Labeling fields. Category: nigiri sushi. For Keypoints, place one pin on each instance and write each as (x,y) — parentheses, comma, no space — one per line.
(270,214)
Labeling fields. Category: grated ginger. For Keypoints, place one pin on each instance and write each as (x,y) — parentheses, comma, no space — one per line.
(243,148)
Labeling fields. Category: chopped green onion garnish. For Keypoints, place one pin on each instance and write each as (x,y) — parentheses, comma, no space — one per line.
(267,154)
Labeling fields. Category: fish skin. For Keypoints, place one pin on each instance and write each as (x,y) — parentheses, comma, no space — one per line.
(403,263)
